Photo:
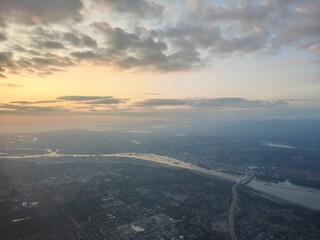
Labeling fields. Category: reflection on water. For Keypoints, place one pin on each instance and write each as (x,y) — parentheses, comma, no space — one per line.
(276,145)
(304,196)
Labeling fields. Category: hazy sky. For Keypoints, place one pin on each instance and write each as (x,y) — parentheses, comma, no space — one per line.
(73,63)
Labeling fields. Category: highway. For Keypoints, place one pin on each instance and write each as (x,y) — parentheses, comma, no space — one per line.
(76,224)
(232,211)
(234,208)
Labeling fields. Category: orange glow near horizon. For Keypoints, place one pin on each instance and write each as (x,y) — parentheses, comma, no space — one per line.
(93,80)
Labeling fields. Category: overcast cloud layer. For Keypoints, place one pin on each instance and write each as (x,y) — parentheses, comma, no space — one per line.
(42,37)
(184,110)
(110,104)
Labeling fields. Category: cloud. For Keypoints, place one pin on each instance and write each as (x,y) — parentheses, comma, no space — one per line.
(39,65)
(2,76)
(86,55)
(117,38)
(51,45)
(6,61)
(44,65)
(5,58)
(107,101)
(34,102)
(40,12)
(10,85)
(79,98)
(27,109)
(267,25)
(190,103)
(141,50)
(137,8)
(92,100)
(195,34)
(74,38)
(161,102)
(2,23)
(42,53)
(80,105)
(87,100)
(235,103)
(189,35)
(189,109)
(51,60)
(217,103)
(3,37)
(80,39)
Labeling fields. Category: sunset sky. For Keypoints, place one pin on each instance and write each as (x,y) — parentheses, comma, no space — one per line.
(87,63)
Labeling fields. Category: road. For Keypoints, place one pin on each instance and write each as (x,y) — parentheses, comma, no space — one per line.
(234,208)
(76,224)
(68,215)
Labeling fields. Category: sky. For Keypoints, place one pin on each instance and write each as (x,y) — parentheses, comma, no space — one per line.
(89,63)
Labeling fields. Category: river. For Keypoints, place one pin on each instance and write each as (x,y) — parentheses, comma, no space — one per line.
(303,196)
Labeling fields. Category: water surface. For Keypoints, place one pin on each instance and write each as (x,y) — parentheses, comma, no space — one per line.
(303,196)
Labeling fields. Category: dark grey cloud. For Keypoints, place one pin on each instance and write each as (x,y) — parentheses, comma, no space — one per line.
(117,38)
(192,34)
(251,26)
(191,38)
(79,98)
(161,102)
(46,64)
(5,58)
(18,48)
(107,101)
(137,8)
(302,26)
(246,44)
(217,103)
(174,108)
(6,61)
(234,103)
(34,102)
(83,100)
(43,54)
(27,109)
(184,59)
(36,12)
(73,37)
(86,55)
(87,104)
(50,44)
(2,23)
(43,65)
(3,37)
(142,50)
(201,31)
(103,100)
(80,40)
